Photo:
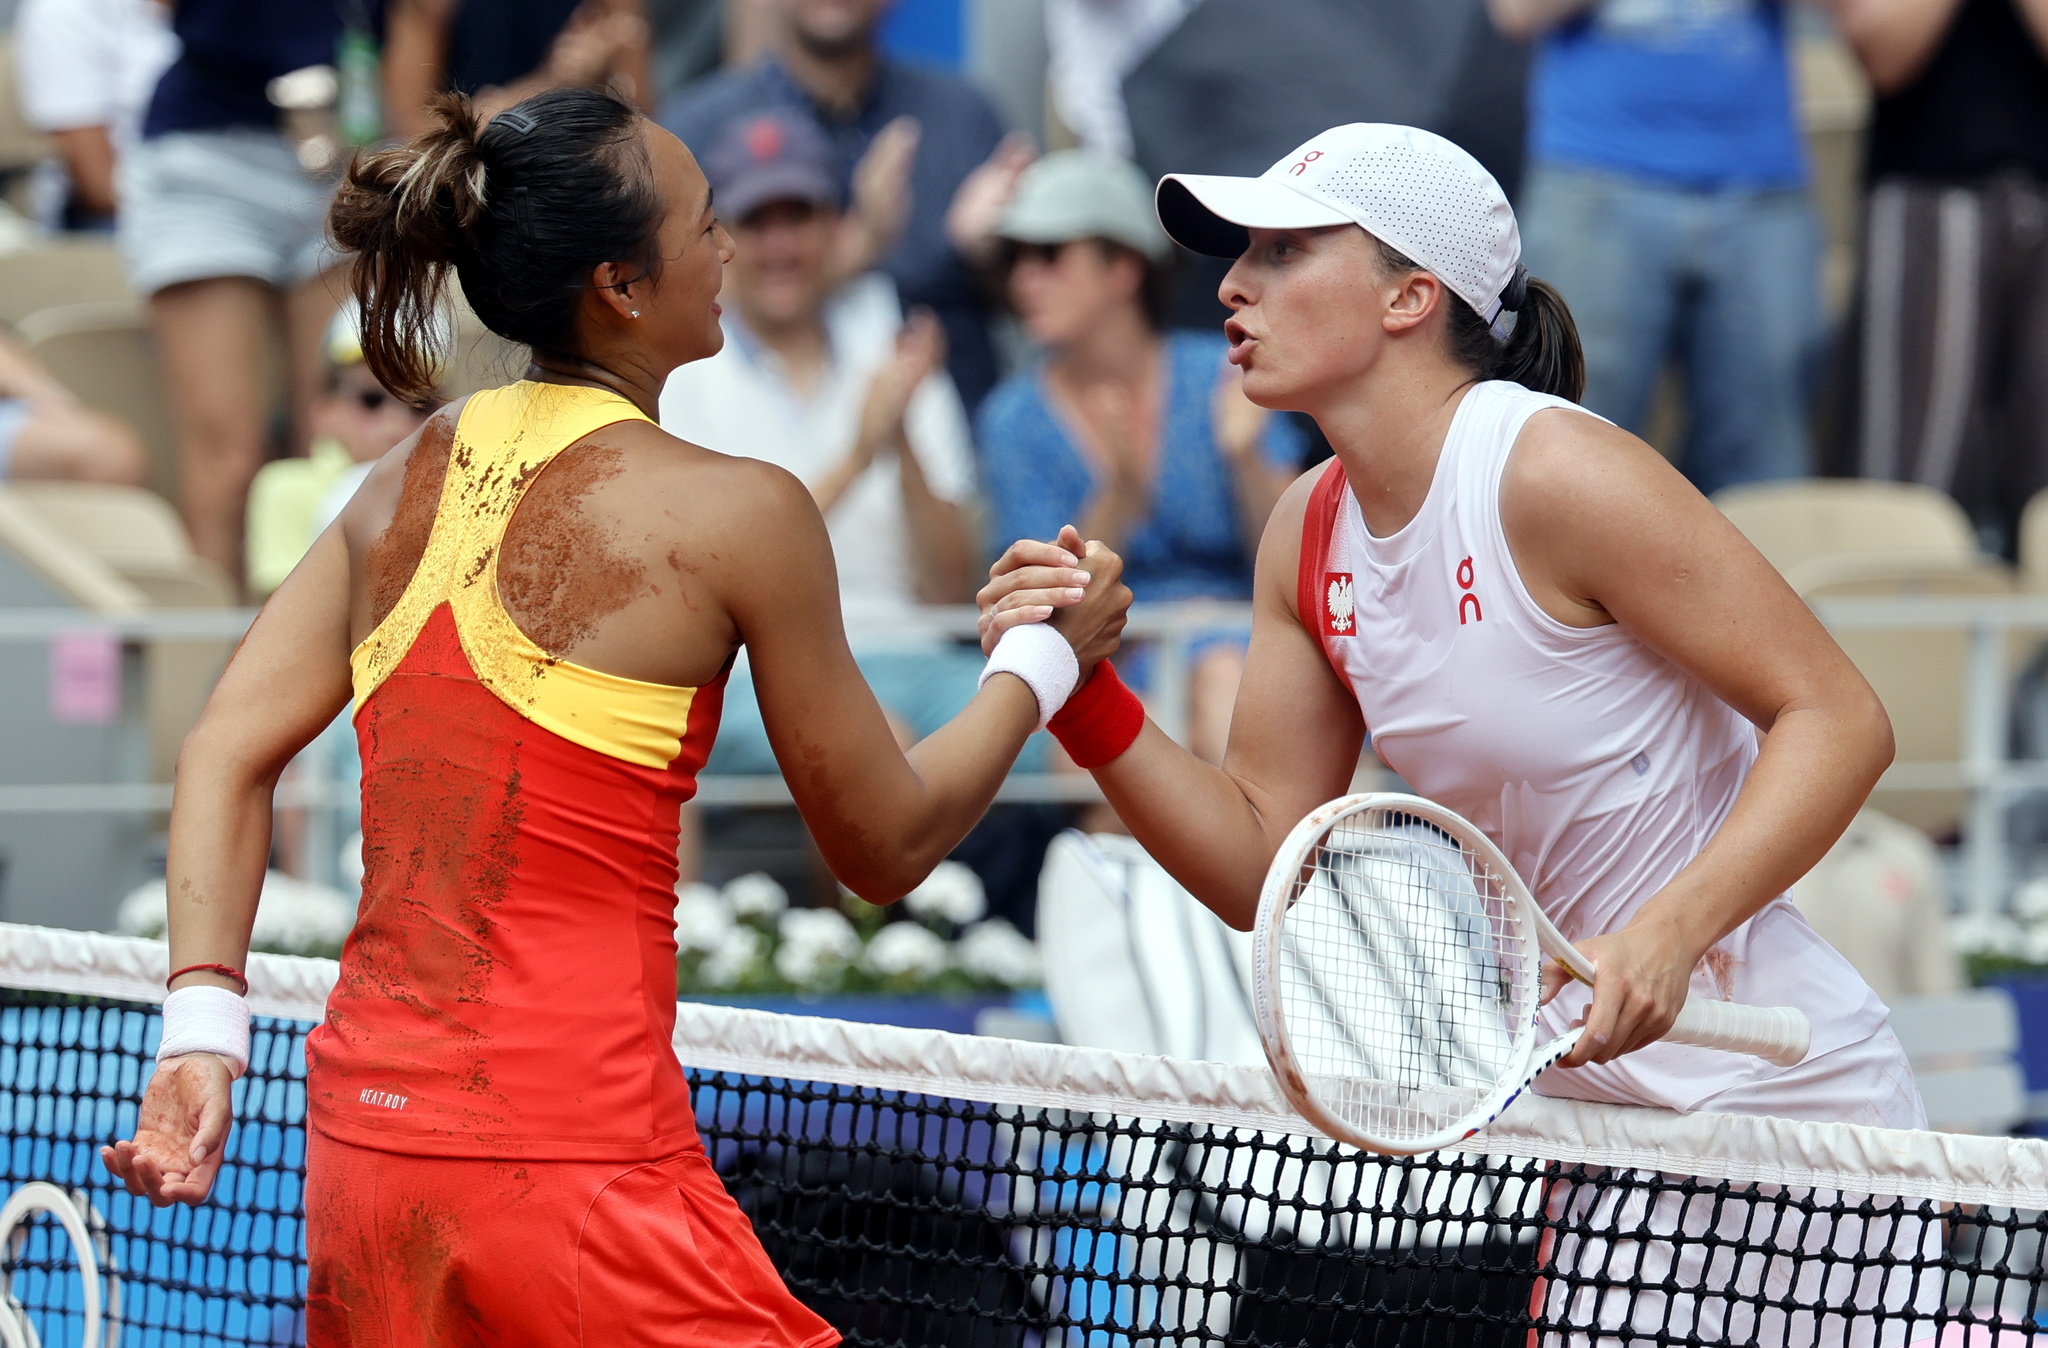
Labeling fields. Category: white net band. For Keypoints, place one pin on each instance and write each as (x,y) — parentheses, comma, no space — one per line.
(1999,1171)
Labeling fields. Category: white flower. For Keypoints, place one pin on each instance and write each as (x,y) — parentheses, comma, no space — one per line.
(146,910)
(297,917)
(815,942)
(952,893)
(703,917)
(756,895)
(2030,900)
(734,957)
(2034,945)
(821,928)
(906,948)
(1986,934)
(997,951)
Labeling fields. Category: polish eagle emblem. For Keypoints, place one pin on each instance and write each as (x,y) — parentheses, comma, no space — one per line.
(1338,599)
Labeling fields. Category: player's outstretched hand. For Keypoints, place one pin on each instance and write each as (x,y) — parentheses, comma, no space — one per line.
(1639,986)
(1033,580)
(181,1134)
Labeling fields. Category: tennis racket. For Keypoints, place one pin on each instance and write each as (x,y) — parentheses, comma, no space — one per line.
(1396,973)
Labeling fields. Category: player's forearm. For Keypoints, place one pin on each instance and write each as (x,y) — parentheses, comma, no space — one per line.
(220,844)
(1817,767)
(1196,820)
(883,833)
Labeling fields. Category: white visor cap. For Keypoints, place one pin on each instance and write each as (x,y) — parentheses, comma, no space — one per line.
(1412,189)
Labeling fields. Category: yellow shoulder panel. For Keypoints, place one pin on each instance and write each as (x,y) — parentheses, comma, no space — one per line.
(504,438)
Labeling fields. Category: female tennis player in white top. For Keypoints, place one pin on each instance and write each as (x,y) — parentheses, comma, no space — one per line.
(1538,621)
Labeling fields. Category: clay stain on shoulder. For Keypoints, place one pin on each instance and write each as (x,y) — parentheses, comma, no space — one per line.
(396,554)
(560,571)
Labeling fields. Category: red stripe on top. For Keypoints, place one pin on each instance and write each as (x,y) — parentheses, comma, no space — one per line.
(1317,528)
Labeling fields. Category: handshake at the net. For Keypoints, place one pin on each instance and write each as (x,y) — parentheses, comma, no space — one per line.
(1075,586)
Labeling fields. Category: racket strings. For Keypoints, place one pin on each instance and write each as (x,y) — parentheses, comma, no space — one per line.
(1405,975)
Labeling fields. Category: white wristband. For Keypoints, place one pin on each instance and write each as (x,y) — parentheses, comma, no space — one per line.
(206,1019)
(1042,658)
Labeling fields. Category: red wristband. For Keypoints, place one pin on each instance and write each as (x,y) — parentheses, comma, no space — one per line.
(224,970)
(1100,720)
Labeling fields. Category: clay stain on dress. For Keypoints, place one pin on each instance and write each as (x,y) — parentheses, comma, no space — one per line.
(1720,966)
(559,572)
(396,554)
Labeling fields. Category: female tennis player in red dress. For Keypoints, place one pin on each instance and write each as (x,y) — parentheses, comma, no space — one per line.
(1538,621)
(534,605)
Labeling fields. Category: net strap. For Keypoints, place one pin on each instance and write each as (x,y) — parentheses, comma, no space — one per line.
(1750,1149)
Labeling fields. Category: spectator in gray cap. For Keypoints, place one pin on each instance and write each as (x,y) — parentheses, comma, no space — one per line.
(1138,437)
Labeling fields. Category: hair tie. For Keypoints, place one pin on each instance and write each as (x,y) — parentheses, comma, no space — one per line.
(1516,293)
(517,121)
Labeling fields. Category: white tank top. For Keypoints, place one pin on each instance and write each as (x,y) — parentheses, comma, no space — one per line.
(1598,767)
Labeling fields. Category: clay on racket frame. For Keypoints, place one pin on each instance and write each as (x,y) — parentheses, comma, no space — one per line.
(1779,1034)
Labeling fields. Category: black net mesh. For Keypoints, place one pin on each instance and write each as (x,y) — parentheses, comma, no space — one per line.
(909,1220)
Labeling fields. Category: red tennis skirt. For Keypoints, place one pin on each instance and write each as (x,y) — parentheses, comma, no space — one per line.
(411,1251)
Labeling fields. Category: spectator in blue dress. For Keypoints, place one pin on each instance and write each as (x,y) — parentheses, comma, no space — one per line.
(920,157)
(1666,198)
(1138,437)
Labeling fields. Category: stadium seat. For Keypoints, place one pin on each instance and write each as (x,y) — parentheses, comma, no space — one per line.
(105,353)
(1921,675)
(136,535)
(134,531)
(1961,1045)
(2034,543)
(58,274)
(1795,524)
(1838,538)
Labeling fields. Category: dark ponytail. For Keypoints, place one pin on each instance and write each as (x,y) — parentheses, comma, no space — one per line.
(522,209)
(1541,352)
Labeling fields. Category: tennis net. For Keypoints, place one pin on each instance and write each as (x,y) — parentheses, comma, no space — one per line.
(922,1188)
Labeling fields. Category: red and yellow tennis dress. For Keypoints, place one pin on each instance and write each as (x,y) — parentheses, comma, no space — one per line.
(502,1149)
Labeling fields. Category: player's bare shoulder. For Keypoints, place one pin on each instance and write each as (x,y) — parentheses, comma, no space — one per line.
(671,486)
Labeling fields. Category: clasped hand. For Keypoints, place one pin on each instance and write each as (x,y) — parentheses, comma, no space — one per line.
(1075,586)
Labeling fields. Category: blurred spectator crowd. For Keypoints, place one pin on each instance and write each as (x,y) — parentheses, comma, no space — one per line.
(1798,238)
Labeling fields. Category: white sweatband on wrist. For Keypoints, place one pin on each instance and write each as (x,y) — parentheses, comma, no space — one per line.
(206,1019)
(1042,658)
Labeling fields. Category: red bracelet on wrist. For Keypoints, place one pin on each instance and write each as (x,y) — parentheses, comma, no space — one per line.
(224,970)
(1100,721)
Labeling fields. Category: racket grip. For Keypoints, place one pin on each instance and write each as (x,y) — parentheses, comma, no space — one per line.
(1779,1034)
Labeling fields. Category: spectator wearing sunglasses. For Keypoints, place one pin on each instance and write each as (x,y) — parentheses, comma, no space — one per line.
(355,421)
(1139,437)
